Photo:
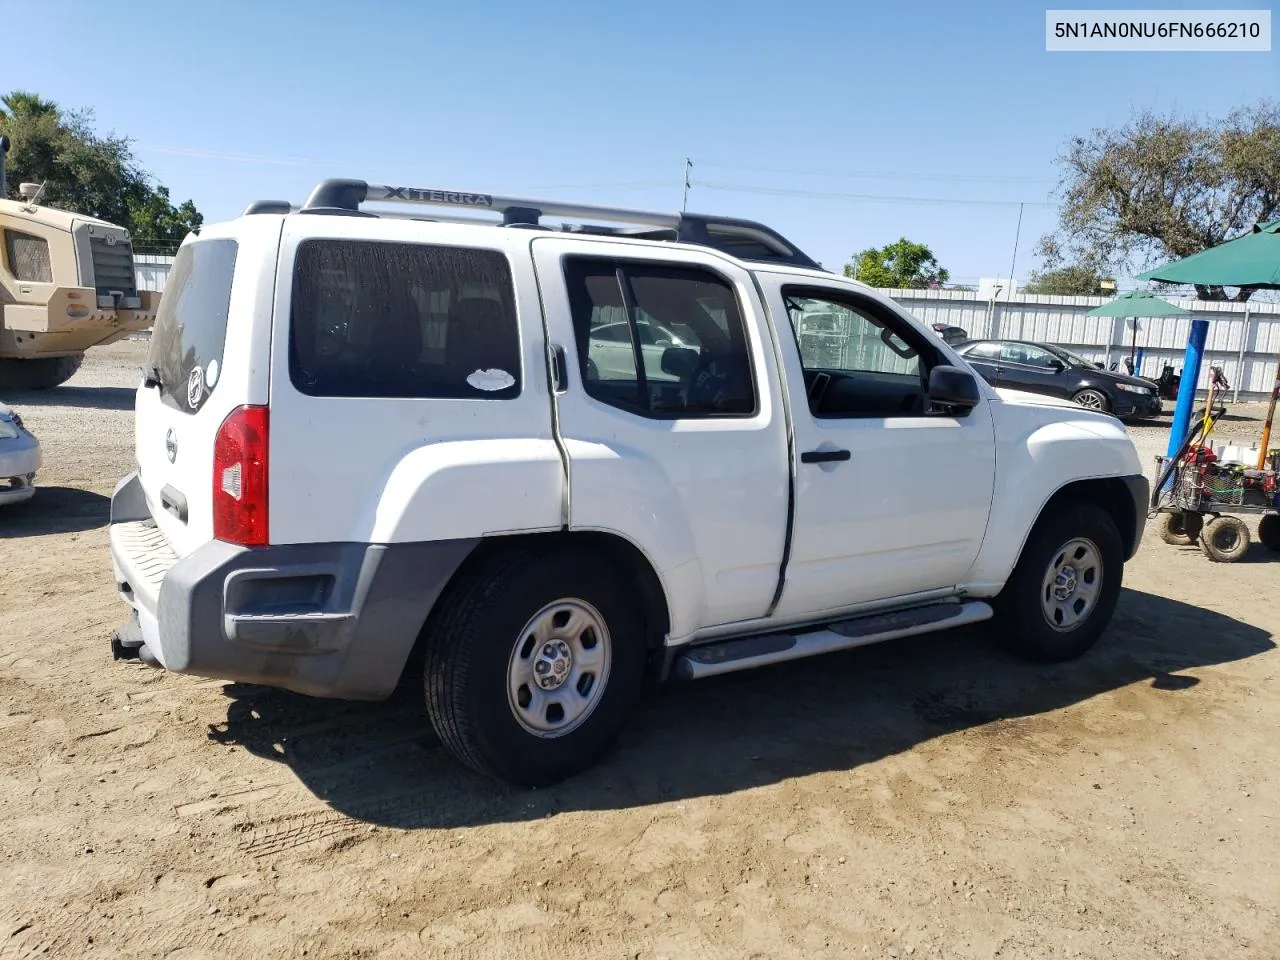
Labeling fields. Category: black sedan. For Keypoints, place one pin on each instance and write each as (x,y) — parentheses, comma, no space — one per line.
(1048,369)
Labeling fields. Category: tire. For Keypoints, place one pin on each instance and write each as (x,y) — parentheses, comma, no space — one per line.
(481,662)
(1269,531)
(1036,623)
(1225,539)
(42,373)
(1179,528)
(1093,400)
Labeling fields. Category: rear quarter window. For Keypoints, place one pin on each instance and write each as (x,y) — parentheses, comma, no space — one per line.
(382,319)
(191,325)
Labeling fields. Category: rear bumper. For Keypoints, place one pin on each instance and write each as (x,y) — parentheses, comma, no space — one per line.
(329,619)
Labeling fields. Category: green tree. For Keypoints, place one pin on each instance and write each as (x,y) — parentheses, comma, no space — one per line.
(1072,281)
(901,264)
(87,173)
(1164,187)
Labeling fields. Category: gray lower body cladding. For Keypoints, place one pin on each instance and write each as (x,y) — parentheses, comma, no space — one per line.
(325,619)
(1139,488)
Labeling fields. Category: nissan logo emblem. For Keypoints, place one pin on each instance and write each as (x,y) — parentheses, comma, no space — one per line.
(171,445)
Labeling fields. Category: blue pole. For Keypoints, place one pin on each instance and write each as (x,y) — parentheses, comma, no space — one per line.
(1187,386)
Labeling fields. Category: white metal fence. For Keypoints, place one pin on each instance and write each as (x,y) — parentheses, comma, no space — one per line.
(1244,338)
(152,271)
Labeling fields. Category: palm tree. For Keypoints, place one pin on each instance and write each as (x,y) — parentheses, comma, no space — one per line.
(24,103)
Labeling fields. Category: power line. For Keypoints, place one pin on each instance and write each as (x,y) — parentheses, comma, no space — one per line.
(878,175)
(236,157)
(864,197)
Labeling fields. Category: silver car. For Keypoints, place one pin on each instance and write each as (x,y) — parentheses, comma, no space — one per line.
(19,458)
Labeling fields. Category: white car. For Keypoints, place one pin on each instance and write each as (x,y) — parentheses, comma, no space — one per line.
(360,434)
(19,458)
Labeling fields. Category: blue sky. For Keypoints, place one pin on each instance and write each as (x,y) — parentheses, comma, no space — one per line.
(601,102)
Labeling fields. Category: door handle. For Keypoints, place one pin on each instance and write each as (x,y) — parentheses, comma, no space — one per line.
(559,369)
(824,456)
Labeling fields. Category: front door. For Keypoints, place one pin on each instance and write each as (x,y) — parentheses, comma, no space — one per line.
(890,499)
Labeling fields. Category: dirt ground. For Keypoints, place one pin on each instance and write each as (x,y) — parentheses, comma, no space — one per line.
(925,798)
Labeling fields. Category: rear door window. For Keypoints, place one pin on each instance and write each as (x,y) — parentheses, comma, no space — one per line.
(191,324)
(382,319)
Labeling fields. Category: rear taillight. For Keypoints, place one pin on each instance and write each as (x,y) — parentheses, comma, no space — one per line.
(240,477)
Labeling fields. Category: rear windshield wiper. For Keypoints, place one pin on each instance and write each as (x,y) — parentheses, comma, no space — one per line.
(151,377)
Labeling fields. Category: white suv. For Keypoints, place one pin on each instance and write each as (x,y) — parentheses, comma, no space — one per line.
(362,434)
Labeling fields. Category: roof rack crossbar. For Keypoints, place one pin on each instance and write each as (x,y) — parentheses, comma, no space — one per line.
(723,233)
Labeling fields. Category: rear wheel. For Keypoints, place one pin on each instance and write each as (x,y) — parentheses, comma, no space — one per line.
(534,665)
(1225,539)
(1065,586)
(1269,531)
(1092,400)
(41,373)
(1181,528)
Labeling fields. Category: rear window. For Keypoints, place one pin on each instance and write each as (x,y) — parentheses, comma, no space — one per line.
(378,319)
(191,324)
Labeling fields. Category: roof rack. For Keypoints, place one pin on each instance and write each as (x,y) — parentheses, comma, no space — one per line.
(268,206)
(744,239)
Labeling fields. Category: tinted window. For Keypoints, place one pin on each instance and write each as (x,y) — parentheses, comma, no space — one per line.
(28,257)
(191,324)
(1027,354)
(372,319)
(984,351)
(660,341)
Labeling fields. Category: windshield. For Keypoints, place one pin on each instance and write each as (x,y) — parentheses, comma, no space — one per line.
(1072,358)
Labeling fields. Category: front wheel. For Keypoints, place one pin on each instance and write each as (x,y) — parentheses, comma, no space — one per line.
(1092,400)
(41,373)
(1269,531)
(1065,586)
(534,665)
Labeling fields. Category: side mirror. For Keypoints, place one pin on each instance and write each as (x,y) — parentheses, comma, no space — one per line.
(680,362)
(1056,365)
(952,390)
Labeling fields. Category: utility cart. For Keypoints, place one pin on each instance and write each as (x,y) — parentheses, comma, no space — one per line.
(1202,495)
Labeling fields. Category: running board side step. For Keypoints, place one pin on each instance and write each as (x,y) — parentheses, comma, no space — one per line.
(728,656)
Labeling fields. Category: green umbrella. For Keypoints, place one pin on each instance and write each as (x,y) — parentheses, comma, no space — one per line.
(1137,303)
(1250,260)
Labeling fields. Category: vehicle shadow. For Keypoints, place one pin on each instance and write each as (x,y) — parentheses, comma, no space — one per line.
(380,764)
(97,398)
(55,510)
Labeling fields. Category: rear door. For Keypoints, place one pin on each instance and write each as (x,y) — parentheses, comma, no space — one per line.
(680,447)
(200,367)
(985,359)
(1024,366)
